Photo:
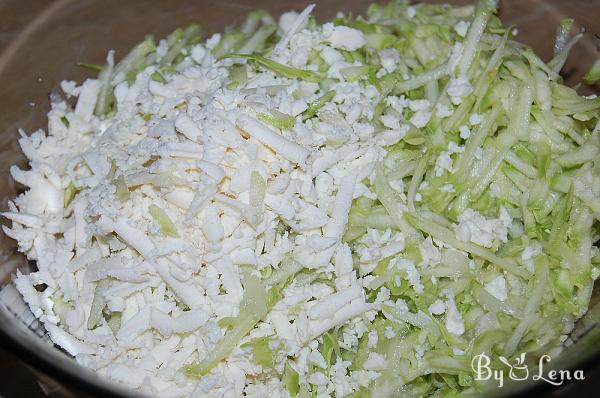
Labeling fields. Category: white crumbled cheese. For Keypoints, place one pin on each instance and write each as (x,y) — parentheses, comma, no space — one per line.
(437,308)
(465,132)
(213,41)
(364,377)
(458,88)
(391,137)
(208,142)
(290,24)
(447,188)
(442,111)
(401,306)
(383,295)
(398,103)
(419,105)
(453,147)
(198,53)
(344,37)
(331,56)
(475,119)
(375,246)
(70,88)
(390,121)
(474,227)
(497,288)
(317,358)
(461,28)
(389,59)
(443,163)
(495,190)
(531,251)
(420,118)
(389,332)
(86,101)
(412,273)
(454,322)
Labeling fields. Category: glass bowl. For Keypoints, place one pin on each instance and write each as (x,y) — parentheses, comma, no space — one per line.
(42,41)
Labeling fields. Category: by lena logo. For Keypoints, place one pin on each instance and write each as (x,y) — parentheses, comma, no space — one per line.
(519,371)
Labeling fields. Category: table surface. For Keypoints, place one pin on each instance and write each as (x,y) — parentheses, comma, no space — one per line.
(18,379)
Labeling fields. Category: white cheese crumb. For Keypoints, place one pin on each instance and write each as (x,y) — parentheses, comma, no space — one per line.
(420,118)
(344,37)
(474,227)
(70,88)
(454,322)
(412,274)
(437,308)
(443,111)
(497,288)
(475,119)
(458,88)
(443,163)
(389,59)
(531,251)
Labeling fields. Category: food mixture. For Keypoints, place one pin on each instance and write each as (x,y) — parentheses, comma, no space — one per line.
(348,209)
